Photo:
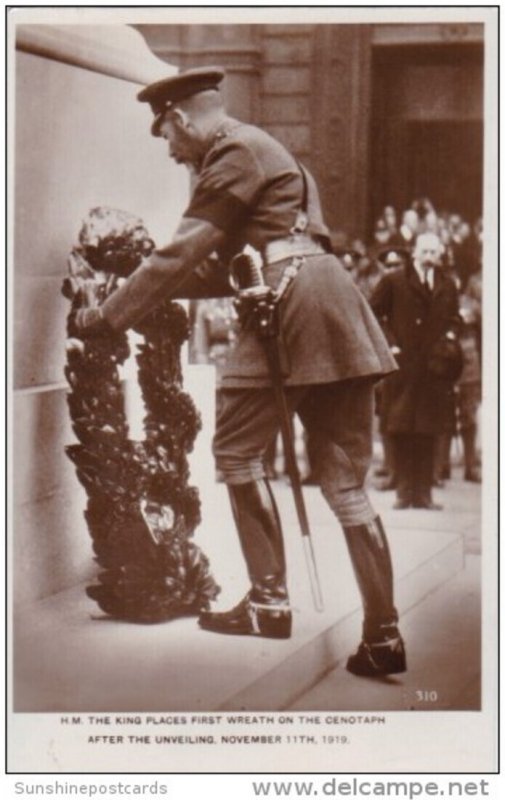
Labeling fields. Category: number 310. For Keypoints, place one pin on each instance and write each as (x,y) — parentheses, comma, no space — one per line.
(427,696)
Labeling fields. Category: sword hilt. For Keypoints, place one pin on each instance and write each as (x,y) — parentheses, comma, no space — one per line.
(245,273)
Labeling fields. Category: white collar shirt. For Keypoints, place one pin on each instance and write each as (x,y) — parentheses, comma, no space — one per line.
(425,276)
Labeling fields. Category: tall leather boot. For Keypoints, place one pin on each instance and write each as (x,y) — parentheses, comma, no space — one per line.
(382,651)
(259,528)
(264,611)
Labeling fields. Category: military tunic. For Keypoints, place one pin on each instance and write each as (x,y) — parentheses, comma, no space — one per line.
(251,188)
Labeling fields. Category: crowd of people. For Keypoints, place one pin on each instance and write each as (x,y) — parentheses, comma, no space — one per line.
(423,416)
(394,238)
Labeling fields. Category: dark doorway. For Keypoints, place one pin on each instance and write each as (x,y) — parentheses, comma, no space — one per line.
(427,129)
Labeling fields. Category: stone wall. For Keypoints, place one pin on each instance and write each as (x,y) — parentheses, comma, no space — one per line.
(82,140)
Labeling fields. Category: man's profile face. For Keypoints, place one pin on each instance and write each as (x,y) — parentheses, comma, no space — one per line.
(183,144)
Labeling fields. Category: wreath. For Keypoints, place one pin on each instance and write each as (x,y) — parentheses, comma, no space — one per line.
(141,512)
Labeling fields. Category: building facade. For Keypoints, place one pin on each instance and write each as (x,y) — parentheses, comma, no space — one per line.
(379,113)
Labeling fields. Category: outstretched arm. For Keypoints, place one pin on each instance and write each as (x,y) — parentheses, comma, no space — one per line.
(225,191)
(163,273)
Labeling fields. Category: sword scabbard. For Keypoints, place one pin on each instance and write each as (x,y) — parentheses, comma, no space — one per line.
(272,352)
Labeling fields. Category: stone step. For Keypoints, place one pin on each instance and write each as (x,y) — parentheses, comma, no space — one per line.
(443,655)
(87,663)
(424,560)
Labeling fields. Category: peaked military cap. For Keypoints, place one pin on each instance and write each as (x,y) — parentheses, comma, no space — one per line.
(166,93)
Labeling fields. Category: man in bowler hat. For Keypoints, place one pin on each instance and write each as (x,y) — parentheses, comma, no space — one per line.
(249,190)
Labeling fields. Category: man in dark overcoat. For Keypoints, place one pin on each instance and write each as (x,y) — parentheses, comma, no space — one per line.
(249,190)
(418,308)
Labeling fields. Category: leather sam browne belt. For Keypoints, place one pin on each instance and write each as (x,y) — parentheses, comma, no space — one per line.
(300,243)
(297,246)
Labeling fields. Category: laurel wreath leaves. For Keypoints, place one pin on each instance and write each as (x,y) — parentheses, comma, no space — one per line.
(141,511)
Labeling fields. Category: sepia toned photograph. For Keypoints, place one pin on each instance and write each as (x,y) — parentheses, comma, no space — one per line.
(253,382)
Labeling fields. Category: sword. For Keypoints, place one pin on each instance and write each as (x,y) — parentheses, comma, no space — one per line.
(263,304)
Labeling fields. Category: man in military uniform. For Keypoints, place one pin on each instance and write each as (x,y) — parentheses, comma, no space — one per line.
(250,190)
